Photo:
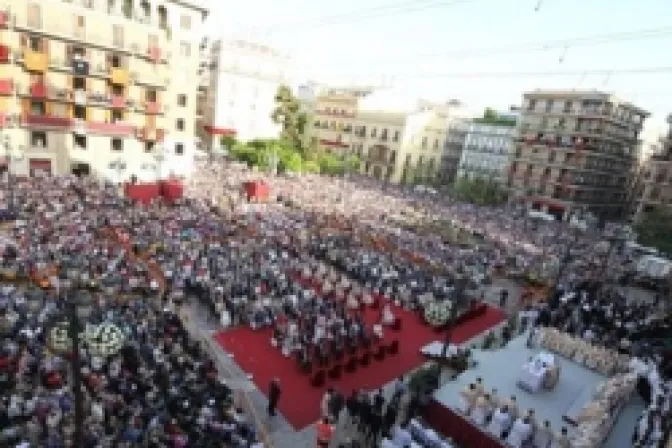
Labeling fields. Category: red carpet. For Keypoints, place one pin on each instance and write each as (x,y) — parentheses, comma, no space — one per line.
(300,402)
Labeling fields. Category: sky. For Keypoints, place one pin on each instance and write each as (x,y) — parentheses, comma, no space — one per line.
(444,49)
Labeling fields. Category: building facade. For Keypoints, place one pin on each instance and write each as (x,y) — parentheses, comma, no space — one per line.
(104,87)
(241,81)
(399,143)
(576,150)
(656,190)
(487,149)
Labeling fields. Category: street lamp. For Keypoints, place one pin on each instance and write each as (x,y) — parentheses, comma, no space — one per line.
(65,333)
(12,154)
(458,302)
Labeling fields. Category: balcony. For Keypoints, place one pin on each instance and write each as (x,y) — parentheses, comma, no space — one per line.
(80,67)
(35,61)
(154,53)
(4,54)
(152,107)
(118,102)
(38,90)
(114,129)
(119,76)
(46,121)
(6,86)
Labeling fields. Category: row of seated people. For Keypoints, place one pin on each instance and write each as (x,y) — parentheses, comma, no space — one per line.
(414,434)
(353,362)
(595,357)
(502,418)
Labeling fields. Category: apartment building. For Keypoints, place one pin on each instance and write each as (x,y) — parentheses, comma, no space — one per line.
(487,148)
(103,87)
(397,140)
(576,150)
(241,79)
(656,188)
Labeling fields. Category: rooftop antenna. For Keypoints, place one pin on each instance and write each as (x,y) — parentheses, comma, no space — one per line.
(538,7)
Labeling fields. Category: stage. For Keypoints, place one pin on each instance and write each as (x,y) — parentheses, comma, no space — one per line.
(500,369)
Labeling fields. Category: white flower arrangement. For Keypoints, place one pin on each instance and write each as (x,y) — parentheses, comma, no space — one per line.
(437,313)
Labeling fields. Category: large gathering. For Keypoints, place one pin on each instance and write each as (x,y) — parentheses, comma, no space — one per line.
(320,225)
(325,277)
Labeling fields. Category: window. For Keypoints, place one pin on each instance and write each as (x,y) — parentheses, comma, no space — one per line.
(117,35)
(179,124)
(38,139)
(79,83)
(115,61)
(117,144)
(80,141)
(151,96)
(79,112)
(34,15)
(38,108)
(179,149)
(117,116)
(80,22)
(117,90)
(185,49)
(185,22)
(182,100)
(149,146)
(35,43)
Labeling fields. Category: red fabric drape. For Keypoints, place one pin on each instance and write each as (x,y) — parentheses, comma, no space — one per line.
(450,424)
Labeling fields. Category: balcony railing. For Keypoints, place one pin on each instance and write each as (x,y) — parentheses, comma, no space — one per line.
(115,129)
(118,102)
(152,107)
(119,76)
(34,120)
(5,54)
(6,86)
(35,61)
(38,90)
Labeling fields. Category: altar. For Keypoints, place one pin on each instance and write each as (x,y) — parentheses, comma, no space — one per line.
(541,371)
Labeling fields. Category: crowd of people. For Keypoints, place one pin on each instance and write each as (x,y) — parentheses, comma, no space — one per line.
(250,264)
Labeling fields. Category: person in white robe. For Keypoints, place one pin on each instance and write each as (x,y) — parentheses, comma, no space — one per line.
(561,439)
(543,436)
(482,410)
(468,399)
(520,433)
(388,315)
(501,422)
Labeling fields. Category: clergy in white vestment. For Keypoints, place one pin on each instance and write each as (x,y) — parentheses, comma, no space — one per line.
(482,409)
(501,421)
(543,436)
(468,398)
(480,390)
(561,440)
(520,433)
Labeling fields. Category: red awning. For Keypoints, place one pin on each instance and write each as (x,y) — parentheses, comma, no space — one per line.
(40,164)
(550,203)
(214,130)
(333,143)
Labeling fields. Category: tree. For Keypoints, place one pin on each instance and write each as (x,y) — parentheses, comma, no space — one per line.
(479,191)
(228,141)
(292,120)
(653,230)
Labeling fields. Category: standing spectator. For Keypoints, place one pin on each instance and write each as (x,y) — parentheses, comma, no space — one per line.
(274,393)
(399,389)
(325,432)
(390,418)
(503,297)
(325,404)
(352,404)
(336,404)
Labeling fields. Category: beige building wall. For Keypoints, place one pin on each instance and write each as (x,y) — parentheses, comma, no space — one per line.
(132,97)
(397,144)
(576,150)
(656,190)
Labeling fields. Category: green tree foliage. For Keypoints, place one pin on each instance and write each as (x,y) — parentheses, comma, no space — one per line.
(653,230)
(228,141)
(479,191)
(293,122)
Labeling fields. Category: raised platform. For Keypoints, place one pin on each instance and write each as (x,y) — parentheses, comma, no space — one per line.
(500,370)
